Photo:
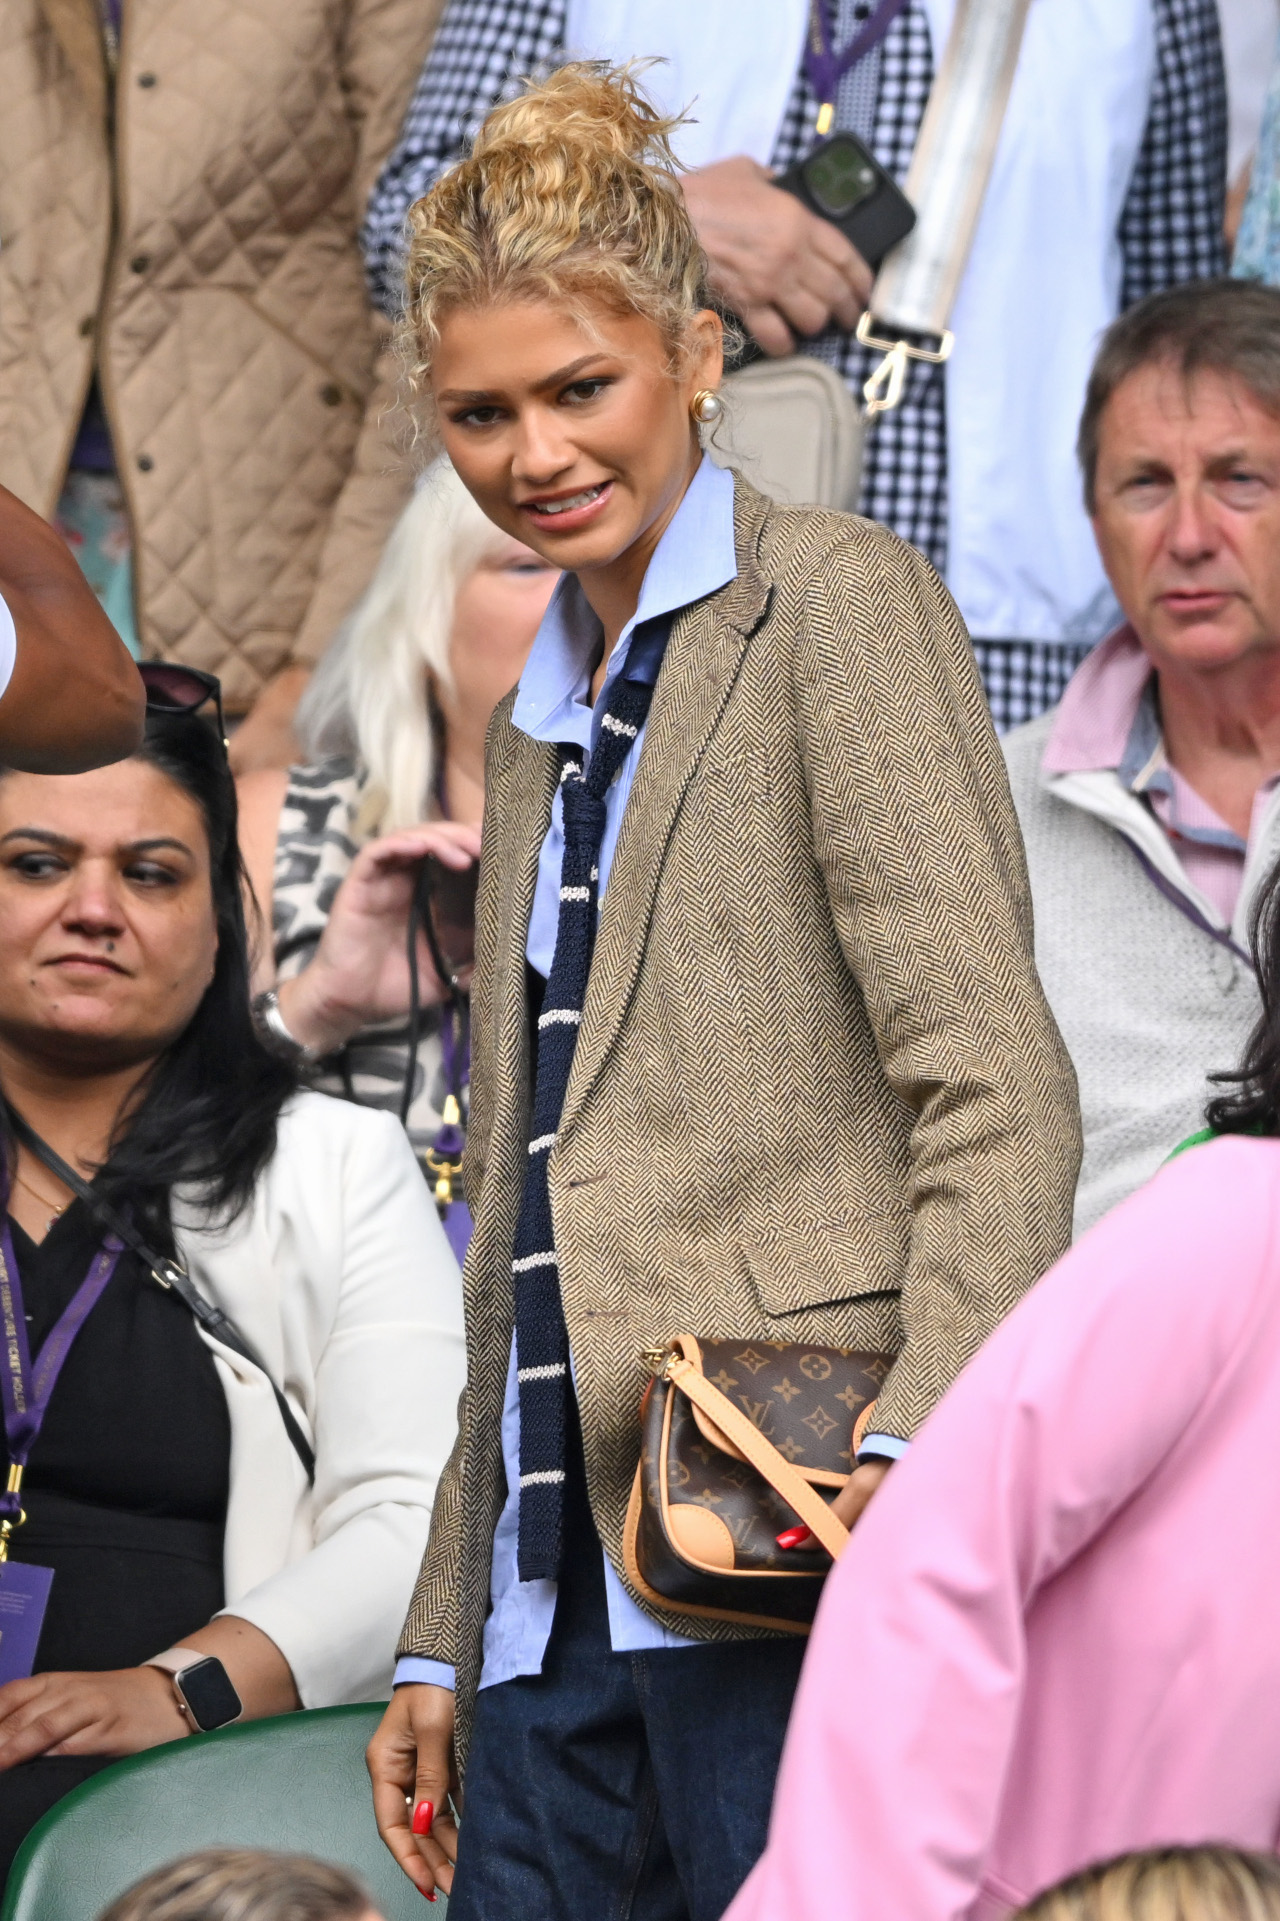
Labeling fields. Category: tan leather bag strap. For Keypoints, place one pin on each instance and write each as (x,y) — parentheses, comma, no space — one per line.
(762,1454)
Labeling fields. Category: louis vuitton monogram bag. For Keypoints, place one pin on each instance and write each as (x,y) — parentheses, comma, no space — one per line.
(738,1439)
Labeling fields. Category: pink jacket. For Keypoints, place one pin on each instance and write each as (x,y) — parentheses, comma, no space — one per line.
(1056,1634)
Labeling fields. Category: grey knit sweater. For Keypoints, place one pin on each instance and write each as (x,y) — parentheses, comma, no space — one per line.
(1149,1004)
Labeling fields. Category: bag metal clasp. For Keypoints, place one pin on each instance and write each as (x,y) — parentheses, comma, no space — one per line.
(883,390)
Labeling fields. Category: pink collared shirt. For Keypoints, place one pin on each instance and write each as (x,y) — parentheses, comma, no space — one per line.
(1099,725)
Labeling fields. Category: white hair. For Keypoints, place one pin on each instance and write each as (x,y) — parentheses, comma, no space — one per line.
(369,696)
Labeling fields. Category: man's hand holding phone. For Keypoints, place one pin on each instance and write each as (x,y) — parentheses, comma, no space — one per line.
(782,269)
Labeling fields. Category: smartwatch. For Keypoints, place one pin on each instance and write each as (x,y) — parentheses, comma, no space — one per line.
(206,1697)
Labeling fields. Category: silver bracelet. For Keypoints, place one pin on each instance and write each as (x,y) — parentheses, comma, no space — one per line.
(271,1025)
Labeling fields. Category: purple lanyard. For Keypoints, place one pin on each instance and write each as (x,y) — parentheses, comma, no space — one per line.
(445,1155)
(826,64)
(27,1390)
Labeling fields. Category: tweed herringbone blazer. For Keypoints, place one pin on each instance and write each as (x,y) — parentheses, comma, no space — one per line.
(817,1093)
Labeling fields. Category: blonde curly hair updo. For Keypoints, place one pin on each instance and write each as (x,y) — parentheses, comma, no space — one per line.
(570,192)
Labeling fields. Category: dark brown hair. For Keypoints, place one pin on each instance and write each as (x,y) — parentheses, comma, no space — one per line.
(243,1884)
(1229,327)
(1167,1884)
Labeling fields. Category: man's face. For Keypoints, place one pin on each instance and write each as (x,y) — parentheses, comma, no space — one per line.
(1187,516)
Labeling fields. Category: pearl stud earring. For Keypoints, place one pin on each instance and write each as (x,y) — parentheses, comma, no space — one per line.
(706,407)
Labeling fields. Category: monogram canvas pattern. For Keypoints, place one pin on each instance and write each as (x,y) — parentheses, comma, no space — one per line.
(817,1095)
(807,1402)
(682,1471)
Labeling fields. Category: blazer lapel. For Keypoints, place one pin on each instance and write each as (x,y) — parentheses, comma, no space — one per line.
(78,29)
(702,660)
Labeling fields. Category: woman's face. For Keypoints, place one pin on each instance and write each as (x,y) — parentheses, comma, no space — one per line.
(495,618)
(575,438)
(108,935)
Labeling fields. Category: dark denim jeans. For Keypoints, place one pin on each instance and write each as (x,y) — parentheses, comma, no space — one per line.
(620,1787)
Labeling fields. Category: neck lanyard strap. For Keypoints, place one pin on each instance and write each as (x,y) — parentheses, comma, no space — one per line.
(25,1391)
(168,1273)
(826,64)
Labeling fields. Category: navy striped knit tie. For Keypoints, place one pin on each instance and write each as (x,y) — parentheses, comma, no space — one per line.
(542,1340)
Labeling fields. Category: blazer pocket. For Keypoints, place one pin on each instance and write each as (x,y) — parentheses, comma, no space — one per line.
(821,1263)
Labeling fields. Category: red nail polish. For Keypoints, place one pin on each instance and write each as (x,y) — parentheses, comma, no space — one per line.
(432,1895)
(422,1814)
(793,1537)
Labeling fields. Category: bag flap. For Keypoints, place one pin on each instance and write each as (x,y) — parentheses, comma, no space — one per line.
(813,1403)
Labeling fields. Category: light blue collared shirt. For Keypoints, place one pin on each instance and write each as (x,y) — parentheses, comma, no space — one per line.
(695,557)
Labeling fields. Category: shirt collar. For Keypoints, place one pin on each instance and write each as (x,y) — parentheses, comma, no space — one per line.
(1109,718)
(695,557)
(1097,712)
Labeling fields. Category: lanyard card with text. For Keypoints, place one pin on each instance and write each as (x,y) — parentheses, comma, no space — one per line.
(24,1596)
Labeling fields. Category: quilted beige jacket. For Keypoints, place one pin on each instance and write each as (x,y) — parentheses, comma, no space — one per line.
(205,245)
(817,1093)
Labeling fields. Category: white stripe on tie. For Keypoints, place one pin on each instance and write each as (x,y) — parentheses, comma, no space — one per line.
(569,1016)
(545,1476)
(619,727)
(542,1143)
(527,1261)
(551,1372)
(575,893)
(570,767)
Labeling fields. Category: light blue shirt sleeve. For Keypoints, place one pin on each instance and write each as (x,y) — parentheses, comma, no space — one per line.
(412,1668)
(887,1446)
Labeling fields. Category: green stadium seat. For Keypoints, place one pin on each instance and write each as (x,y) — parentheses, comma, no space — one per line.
(297,1783)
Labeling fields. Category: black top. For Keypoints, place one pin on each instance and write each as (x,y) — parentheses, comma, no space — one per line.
(126,1488)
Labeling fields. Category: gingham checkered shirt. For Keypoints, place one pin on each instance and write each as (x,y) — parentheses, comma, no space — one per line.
(1170,229)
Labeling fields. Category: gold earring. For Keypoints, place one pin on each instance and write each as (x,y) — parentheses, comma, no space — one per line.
(706,407)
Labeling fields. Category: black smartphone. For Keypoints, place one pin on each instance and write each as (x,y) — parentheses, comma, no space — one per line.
(843,182)
(451,897)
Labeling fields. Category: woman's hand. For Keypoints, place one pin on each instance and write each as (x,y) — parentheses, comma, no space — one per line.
(123,1710)
(120,1711)
(410,1761)
(360,972)
(857,1491)
(849,1505)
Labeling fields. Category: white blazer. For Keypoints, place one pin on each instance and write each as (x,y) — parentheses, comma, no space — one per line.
(339,1275)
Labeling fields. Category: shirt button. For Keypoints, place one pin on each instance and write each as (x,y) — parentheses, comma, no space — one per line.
(331,395)
(145,463)
(146,80)
(140,263)
(86,326)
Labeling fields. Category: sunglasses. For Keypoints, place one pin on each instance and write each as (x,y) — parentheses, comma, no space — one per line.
(181,690)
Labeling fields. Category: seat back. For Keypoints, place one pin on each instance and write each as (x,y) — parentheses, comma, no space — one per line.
(296,1783)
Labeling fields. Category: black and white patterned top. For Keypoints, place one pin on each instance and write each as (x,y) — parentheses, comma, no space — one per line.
(319,835)
(1170,229)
